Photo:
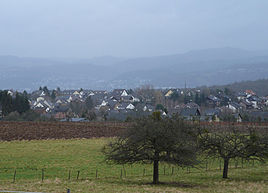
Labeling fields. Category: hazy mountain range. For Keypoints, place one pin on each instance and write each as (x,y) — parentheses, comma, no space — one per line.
(196,68)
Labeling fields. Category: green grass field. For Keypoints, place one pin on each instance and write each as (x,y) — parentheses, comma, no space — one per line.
(59,158)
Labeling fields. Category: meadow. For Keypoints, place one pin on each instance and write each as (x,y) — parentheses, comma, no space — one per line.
(78,165)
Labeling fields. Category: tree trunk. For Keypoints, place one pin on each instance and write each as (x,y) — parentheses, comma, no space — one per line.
(225,168)
(156,172)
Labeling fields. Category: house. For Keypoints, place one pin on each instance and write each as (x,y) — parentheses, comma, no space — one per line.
(241,96)
(238,117)
(73,98)
(125,106)
(60,115)
(126,98)
(264,101)
(62,99)
(134,98)
(104,103)
(250,92)
(164,114)
(148,108)
(66,92)
(213,100)
(60,111)
(91,93)
(76,93)
(11,93)
(255,100)
(224,99)
(169,93)
(192,105)
(43,93)
(122,95)
(40,99)
(234,107)
(103,106)
(245,104)
(212,115)
(43,106)
(179,107)
(130,107)
(190,113)
(36,93)
(39,105)
(119,92)
(99,96)
(112,104)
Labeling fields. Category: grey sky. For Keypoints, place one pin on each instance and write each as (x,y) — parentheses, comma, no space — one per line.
(129,28)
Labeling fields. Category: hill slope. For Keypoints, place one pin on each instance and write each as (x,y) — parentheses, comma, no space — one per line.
(201,67)
(260,87)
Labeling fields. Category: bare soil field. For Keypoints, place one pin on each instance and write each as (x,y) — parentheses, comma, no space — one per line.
(10,131)
(58,130)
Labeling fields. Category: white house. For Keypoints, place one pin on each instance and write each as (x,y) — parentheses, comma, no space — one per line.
(231,107)
(130,107)
(40,99)
(124,93)
(43,93)
(10,93)
(104,103)
(76,93)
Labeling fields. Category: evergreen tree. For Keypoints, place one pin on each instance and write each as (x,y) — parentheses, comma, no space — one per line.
(89,103)
(197,99)
(46,91)
(6,102)
(19,103)
(53,95)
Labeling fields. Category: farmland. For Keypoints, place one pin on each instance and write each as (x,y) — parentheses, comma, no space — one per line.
(78,164)
(58,130)
(10,131)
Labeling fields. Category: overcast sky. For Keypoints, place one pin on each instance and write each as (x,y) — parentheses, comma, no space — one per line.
(129,28)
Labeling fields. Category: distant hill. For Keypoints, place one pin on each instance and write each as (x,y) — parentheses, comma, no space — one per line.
(209,67)
(202,67)
(260,87)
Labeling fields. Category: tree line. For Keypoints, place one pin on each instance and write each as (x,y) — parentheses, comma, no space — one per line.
(19,102)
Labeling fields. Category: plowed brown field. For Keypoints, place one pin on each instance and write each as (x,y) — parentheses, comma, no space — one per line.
(58,130)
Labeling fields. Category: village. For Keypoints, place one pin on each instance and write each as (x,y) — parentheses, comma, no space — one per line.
(202,104)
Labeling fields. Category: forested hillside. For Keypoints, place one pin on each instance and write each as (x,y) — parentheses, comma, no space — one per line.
(217,66)
(260,87)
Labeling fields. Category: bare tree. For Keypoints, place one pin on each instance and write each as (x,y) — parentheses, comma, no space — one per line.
(155,140)
(232,142)
(147,93)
